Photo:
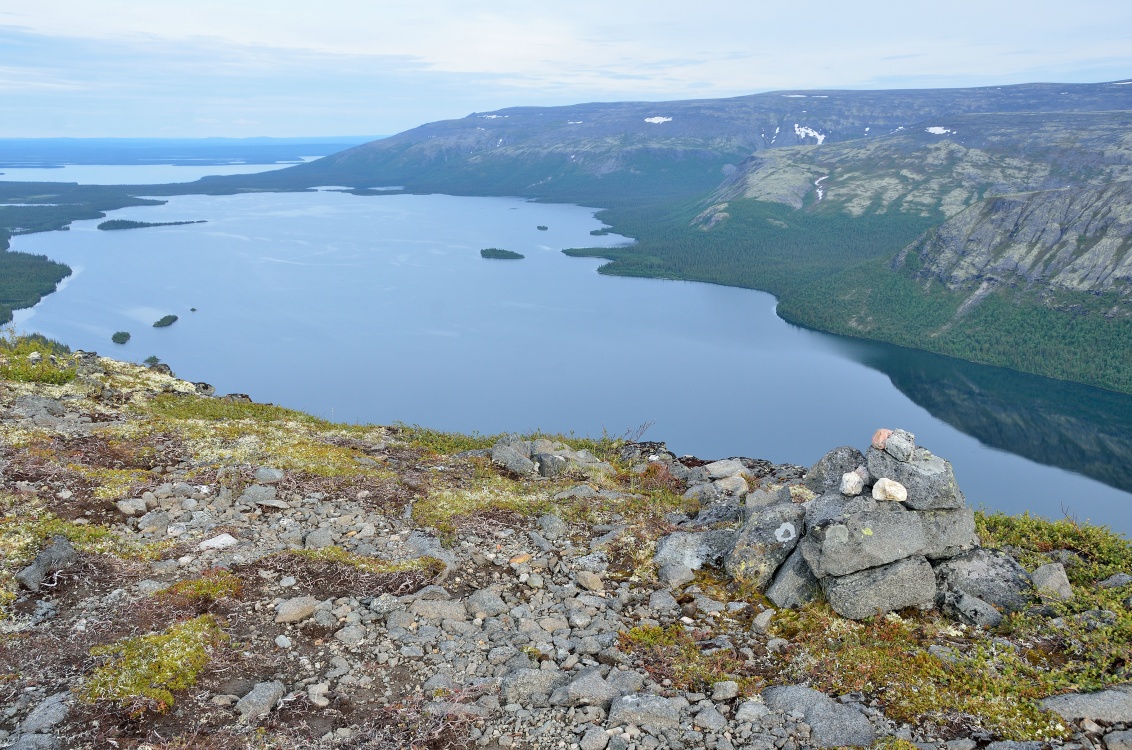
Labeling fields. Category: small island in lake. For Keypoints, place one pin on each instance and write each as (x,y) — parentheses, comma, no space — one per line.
(542,228)
(120,337)
(166,321)
(495,253)
(113,224)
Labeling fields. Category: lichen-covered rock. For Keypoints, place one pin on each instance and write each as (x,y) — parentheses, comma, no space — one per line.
(56,556)
(991,576)
(863,540)
(764,543)
(948,532)
(825,476)
(929,479)
(794,584)
(831,724)
(694,549)
(905,583)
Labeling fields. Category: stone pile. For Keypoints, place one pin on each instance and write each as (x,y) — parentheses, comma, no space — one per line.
(872,533)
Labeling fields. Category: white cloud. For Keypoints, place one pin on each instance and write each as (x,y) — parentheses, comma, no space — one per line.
(452,57)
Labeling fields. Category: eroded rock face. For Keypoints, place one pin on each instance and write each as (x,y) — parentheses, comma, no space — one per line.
(764,543)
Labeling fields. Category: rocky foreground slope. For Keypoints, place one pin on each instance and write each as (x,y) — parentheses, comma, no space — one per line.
(185,570)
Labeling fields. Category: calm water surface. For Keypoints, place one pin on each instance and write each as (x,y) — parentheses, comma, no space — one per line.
(132,174)
(380,309)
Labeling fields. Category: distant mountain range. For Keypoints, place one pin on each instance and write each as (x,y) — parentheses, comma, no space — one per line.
(992,224)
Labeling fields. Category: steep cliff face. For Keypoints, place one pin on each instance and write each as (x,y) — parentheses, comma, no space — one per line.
(1076,239)
(944,164)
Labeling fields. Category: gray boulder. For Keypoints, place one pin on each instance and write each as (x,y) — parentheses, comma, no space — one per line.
(319,538)
(831,724)
(900,445)
(643,709)
(905,583)
(989,575)
(512,460)
(831,506)
(794,584)
(764,543)
(929,479)
(824,477)
(588,689)
(863,540)
(487,602)
(56,556)
(47,714)
(948,532)
(694,549)
(530,687)
(260,700)
(550,465)
(1051,582)
(1110,706)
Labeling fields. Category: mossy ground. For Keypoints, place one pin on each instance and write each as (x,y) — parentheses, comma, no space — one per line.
(141,673)
(145,428)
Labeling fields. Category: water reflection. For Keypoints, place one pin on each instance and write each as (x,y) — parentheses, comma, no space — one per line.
(1074,427)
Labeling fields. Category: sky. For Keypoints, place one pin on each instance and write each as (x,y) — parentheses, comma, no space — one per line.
(198,68)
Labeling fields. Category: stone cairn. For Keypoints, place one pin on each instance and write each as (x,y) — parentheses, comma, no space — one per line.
(880,532)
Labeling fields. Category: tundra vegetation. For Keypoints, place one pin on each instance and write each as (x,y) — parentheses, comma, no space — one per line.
(194,519)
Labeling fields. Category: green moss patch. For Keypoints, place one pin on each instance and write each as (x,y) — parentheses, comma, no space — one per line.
(142,673)
(674,653)
(982,683)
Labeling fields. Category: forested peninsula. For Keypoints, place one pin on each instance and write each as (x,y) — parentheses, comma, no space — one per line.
(990,224)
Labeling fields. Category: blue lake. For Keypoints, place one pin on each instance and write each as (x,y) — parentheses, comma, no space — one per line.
(380,309)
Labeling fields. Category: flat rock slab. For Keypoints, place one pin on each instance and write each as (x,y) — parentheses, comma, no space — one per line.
(643,709)
(1109,706)
(905,583)
(831,724)
(260,700)
(864,540)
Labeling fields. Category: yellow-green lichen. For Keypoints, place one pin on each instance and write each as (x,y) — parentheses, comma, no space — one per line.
(211,586)
(672,653)
(985,682)
(142,673)
(341,556)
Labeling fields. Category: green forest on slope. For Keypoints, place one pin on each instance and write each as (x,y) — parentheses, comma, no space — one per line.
(833,272)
